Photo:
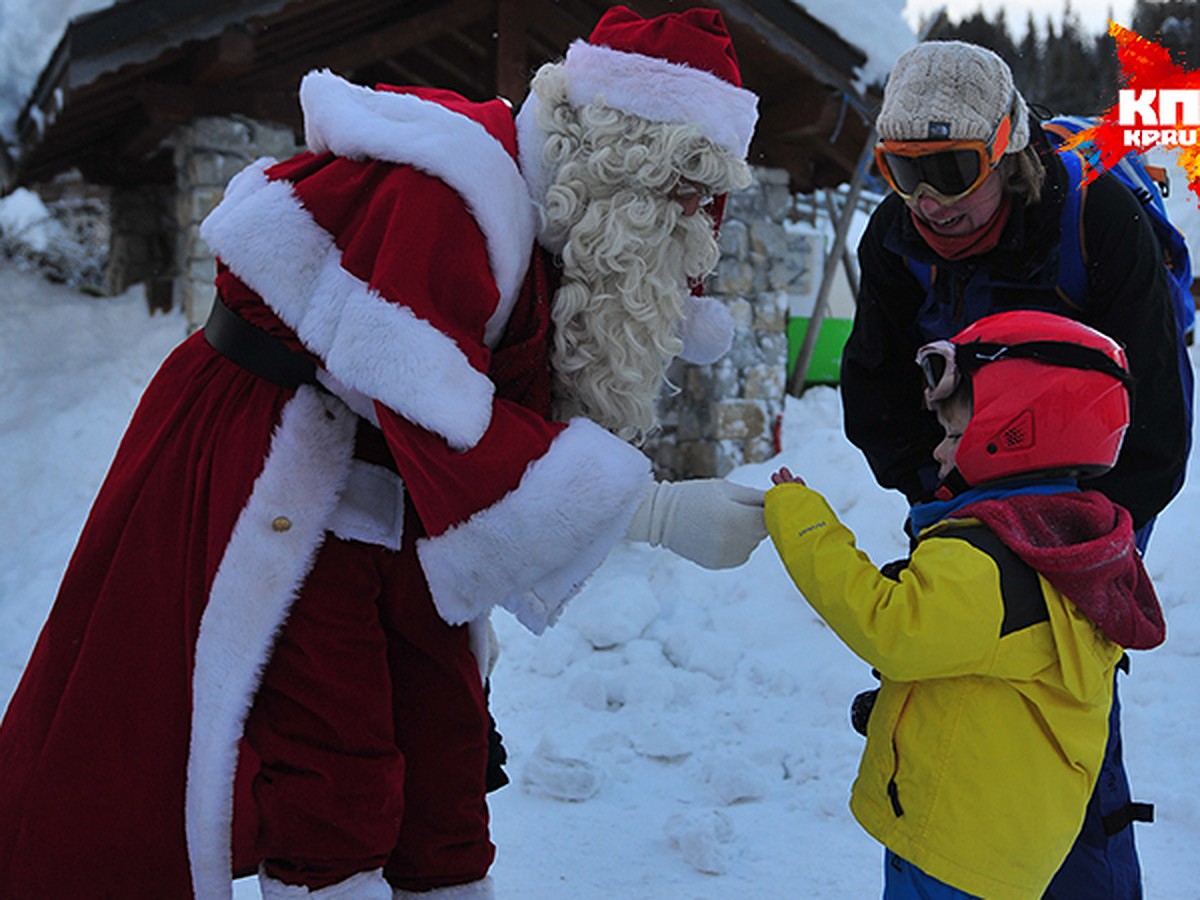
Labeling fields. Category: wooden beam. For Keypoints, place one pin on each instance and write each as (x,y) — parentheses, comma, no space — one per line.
(512,77)
(468,77)
(228,56)
(167,106)
(794,158)
(811,107)
(405,75)
(386,43)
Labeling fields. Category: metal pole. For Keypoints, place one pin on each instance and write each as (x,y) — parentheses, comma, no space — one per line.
(842,225)
(847,258)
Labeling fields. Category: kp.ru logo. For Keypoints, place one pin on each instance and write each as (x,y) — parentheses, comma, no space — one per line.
(1163,117)
(1158,106)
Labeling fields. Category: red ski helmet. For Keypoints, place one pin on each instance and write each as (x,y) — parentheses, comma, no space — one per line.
(1049,394)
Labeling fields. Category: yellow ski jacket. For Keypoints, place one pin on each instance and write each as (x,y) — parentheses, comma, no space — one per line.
(988,732)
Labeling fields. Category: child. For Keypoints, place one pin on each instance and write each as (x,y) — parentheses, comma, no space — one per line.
(996,644)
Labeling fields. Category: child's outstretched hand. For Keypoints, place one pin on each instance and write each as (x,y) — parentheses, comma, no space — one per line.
(785,476)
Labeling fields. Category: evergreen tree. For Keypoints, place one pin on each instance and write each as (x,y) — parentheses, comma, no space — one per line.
(1069,71)
(1173,23)
(1027,64)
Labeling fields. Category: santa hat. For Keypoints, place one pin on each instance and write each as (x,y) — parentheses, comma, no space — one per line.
(951,90)
(677,68)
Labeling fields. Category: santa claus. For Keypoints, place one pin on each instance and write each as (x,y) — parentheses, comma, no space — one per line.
(418,398)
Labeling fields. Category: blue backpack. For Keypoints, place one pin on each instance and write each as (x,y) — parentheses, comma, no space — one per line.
(1149,184)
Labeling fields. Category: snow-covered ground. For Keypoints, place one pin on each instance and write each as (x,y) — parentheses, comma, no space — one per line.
(680,733)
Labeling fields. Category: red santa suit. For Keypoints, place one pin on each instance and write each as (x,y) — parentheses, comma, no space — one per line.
(266,648)
(248,582)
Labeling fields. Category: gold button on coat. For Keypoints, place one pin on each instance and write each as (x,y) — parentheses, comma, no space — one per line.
(281,523)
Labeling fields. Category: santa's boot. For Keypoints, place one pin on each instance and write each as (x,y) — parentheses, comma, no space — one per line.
(360,886)
(474,890)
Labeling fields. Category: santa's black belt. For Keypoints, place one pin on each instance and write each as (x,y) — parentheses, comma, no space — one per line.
(255,350)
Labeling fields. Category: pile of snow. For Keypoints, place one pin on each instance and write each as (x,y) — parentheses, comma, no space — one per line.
(67,243)
(26,222)
(679,733)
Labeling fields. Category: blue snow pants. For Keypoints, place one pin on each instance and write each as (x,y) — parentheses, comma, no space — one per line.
(904,881)
(1103,863)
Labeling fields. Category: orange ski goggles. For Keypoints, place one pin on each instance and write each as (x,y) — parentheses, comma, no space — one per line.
(949,170)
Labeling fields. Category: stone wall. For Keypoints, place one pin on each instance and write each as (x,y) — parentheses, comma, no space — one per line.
(727,414)
(141,248)
(208,152)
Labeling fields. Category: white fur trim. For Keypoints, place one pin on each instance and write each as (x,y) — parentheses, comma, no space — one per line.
(482,638)
(358,402)
(707,330)
(545,537)
(473,890)
(360,123)
(253,590)
(662,91)
(531,142)
(371,506)
(380,349)
(360,886)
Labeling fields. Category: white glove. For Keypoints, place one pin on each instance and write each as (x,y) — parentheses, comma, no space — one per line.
(711,521)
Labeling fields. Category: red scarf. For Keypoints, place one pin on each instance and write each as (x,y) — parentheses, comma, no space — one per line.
(957,246)
(1082,543)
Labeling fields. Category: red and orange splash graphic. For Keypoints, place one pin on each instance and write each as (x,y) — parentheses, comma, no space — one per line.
(1145,67)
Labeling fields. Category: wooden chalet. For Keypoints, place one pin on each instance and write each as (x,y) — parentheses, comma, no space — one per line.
(123,78)
(133,91)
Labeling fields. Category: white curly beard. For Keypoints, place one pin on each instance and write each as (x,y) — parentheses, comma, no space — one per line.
(628,252)
(626,270)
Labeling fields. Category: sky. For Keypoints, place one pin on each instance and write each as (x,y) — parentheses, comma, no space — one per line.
(680,734)
(1093,15)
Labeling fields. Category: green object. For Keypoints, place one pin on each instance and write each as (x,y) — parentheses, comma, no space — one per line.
(826,364)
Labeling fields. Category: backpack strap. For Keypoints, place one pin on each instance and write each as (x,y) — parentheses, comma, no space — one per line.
(1057,130)
(925,273)
(1072,255)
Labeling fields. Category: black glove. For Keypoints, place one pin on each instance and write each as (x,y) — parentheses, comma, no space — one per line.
(862,704)
(860,710)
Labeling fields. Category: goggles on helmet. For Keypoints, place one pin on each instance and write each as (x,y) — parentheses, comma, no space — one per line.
(943,362)
(948,170)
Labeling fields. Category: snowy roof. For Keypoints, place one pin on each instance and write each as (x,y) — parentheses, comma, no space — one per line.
(877,28)
(122,76)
